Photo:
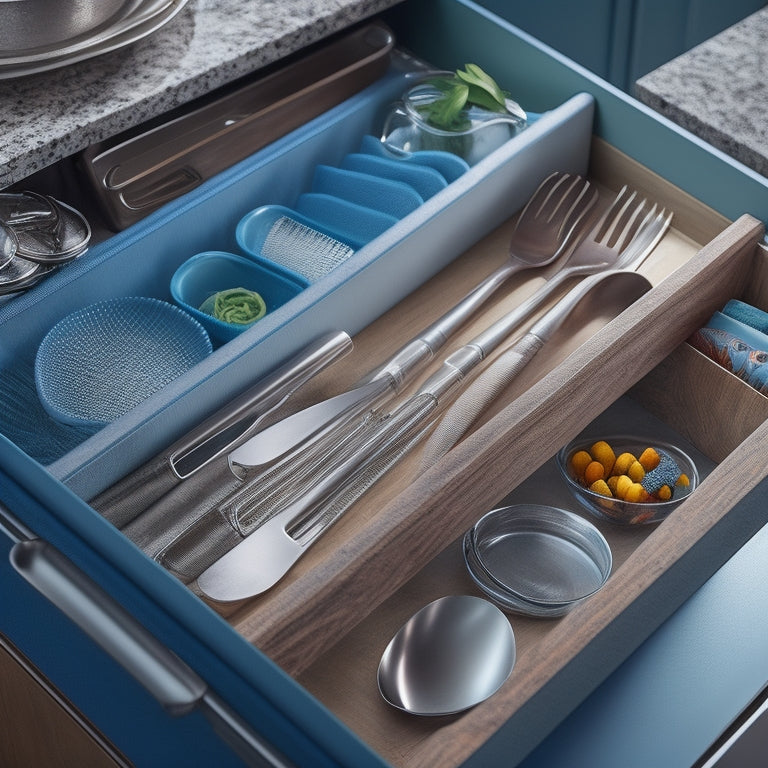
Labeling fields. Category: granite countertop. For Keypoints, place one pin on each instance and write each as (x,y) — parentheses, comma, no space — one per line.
(47,116)
(719,91)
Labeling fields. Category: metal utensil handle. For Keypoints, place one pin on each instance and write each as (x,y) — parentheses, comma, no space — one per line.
(238,419)
(471,404)
(137,491)
(358,483)
(399,427)
(160,671)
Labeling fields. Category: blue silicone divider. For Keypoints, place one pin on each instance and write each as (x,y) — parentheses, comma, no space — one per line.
(395,198)
(353,223)
(451,167)
(424,179)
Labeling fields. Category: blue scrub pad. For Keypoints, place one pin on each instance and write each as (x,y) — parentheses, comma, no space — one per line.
(747,314)
(666,473)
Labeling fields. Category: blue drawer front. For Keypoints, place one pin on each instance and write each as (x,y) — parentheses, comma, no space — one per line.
(275,707)
(98,688)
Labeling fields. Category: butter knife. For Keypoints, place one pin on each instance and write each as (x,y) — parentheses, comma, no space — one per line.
(227,427)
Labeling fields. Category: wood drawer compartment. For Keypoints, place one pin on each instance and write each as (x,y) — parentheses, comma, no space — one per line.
(329,619)
(704,402)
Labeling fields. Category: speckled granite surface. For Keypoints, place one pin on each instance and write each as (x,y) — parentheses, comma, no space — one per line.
(719,91)
(50,115)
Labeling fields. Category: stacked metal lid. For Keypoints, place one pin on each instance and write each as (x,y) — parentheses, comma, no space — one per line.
(37,235)
(536,560)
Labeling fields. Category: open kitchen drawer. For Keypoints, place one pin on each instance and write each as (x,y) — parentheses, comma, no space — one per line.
(319,633)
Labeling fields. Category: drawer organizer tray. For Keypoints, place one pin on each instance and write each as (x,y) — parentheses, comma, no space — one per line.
(307,650)
(142,259)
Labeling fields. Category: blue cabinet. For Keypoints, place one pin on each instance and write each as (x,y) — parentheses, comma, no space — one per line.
(622,40)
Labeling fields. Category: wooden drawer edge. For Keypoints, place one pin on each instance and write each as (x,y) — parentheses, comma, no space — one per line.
(303,618)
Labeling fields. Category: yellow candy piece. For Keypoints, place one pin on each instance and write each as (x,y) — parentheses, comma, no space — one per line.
(603,453)
(623,484)
(601,487)
(636,472)
(649,459)
(579,462)
(636,493)
(623,462)
(664,493)
(683,480)
(594,471)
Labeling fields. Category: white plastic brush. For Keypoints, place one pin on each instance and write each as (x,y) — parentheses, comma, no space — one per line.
(287,238)
(303,249)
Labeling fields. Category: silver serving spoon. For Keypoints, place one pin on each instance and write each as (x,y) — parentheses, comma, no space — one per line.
(449,656)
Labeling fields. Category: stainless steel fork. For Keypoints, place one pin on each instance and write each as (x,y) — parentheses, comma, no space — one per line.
(547,226)
(606,246)
(476,398)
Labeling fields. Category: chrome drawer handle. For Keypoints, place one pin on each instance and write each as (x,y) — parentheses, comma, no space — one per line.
(160,671)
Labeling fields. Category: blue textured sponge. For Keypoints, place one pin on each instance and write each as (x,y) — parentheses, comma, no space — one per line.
(747,314)
(666,473)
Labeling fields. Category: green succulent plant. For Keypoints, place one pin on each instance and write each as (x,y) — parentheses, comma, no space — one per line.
(470,86)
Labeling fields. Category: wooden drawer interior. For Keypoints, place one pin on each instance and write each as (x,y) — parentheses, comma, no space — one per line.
(328,621)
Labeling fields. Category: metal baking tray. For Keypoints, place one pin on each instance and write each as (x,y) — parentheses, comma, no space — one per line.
(135,176)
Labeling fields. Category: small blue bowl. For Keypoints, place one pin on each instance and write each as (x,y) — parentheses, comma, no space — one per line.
(100,361)
(205,274)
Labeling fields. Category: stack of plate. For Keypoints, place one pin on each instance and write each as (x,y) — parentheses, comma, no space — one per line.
(536,560)
(37,234)
(134,20)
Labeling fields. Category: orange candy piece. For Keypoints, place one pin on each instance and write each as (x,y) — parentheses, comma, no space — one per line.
(579,462)
(623,462)
(623,484)
(636,472)
(594,471)
(601,487)
(649,459)
(636,493)
(603,453)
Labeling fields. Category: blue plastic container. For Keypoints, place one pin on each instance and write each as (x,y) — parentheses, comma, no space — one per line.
(209,272)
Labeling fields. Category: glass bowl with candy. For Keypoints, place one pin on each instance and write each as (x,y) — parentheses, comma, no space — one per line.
(627,479)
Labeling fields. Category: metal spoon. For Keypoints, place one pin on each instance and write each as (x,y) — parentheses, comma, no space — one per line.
(449,656)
